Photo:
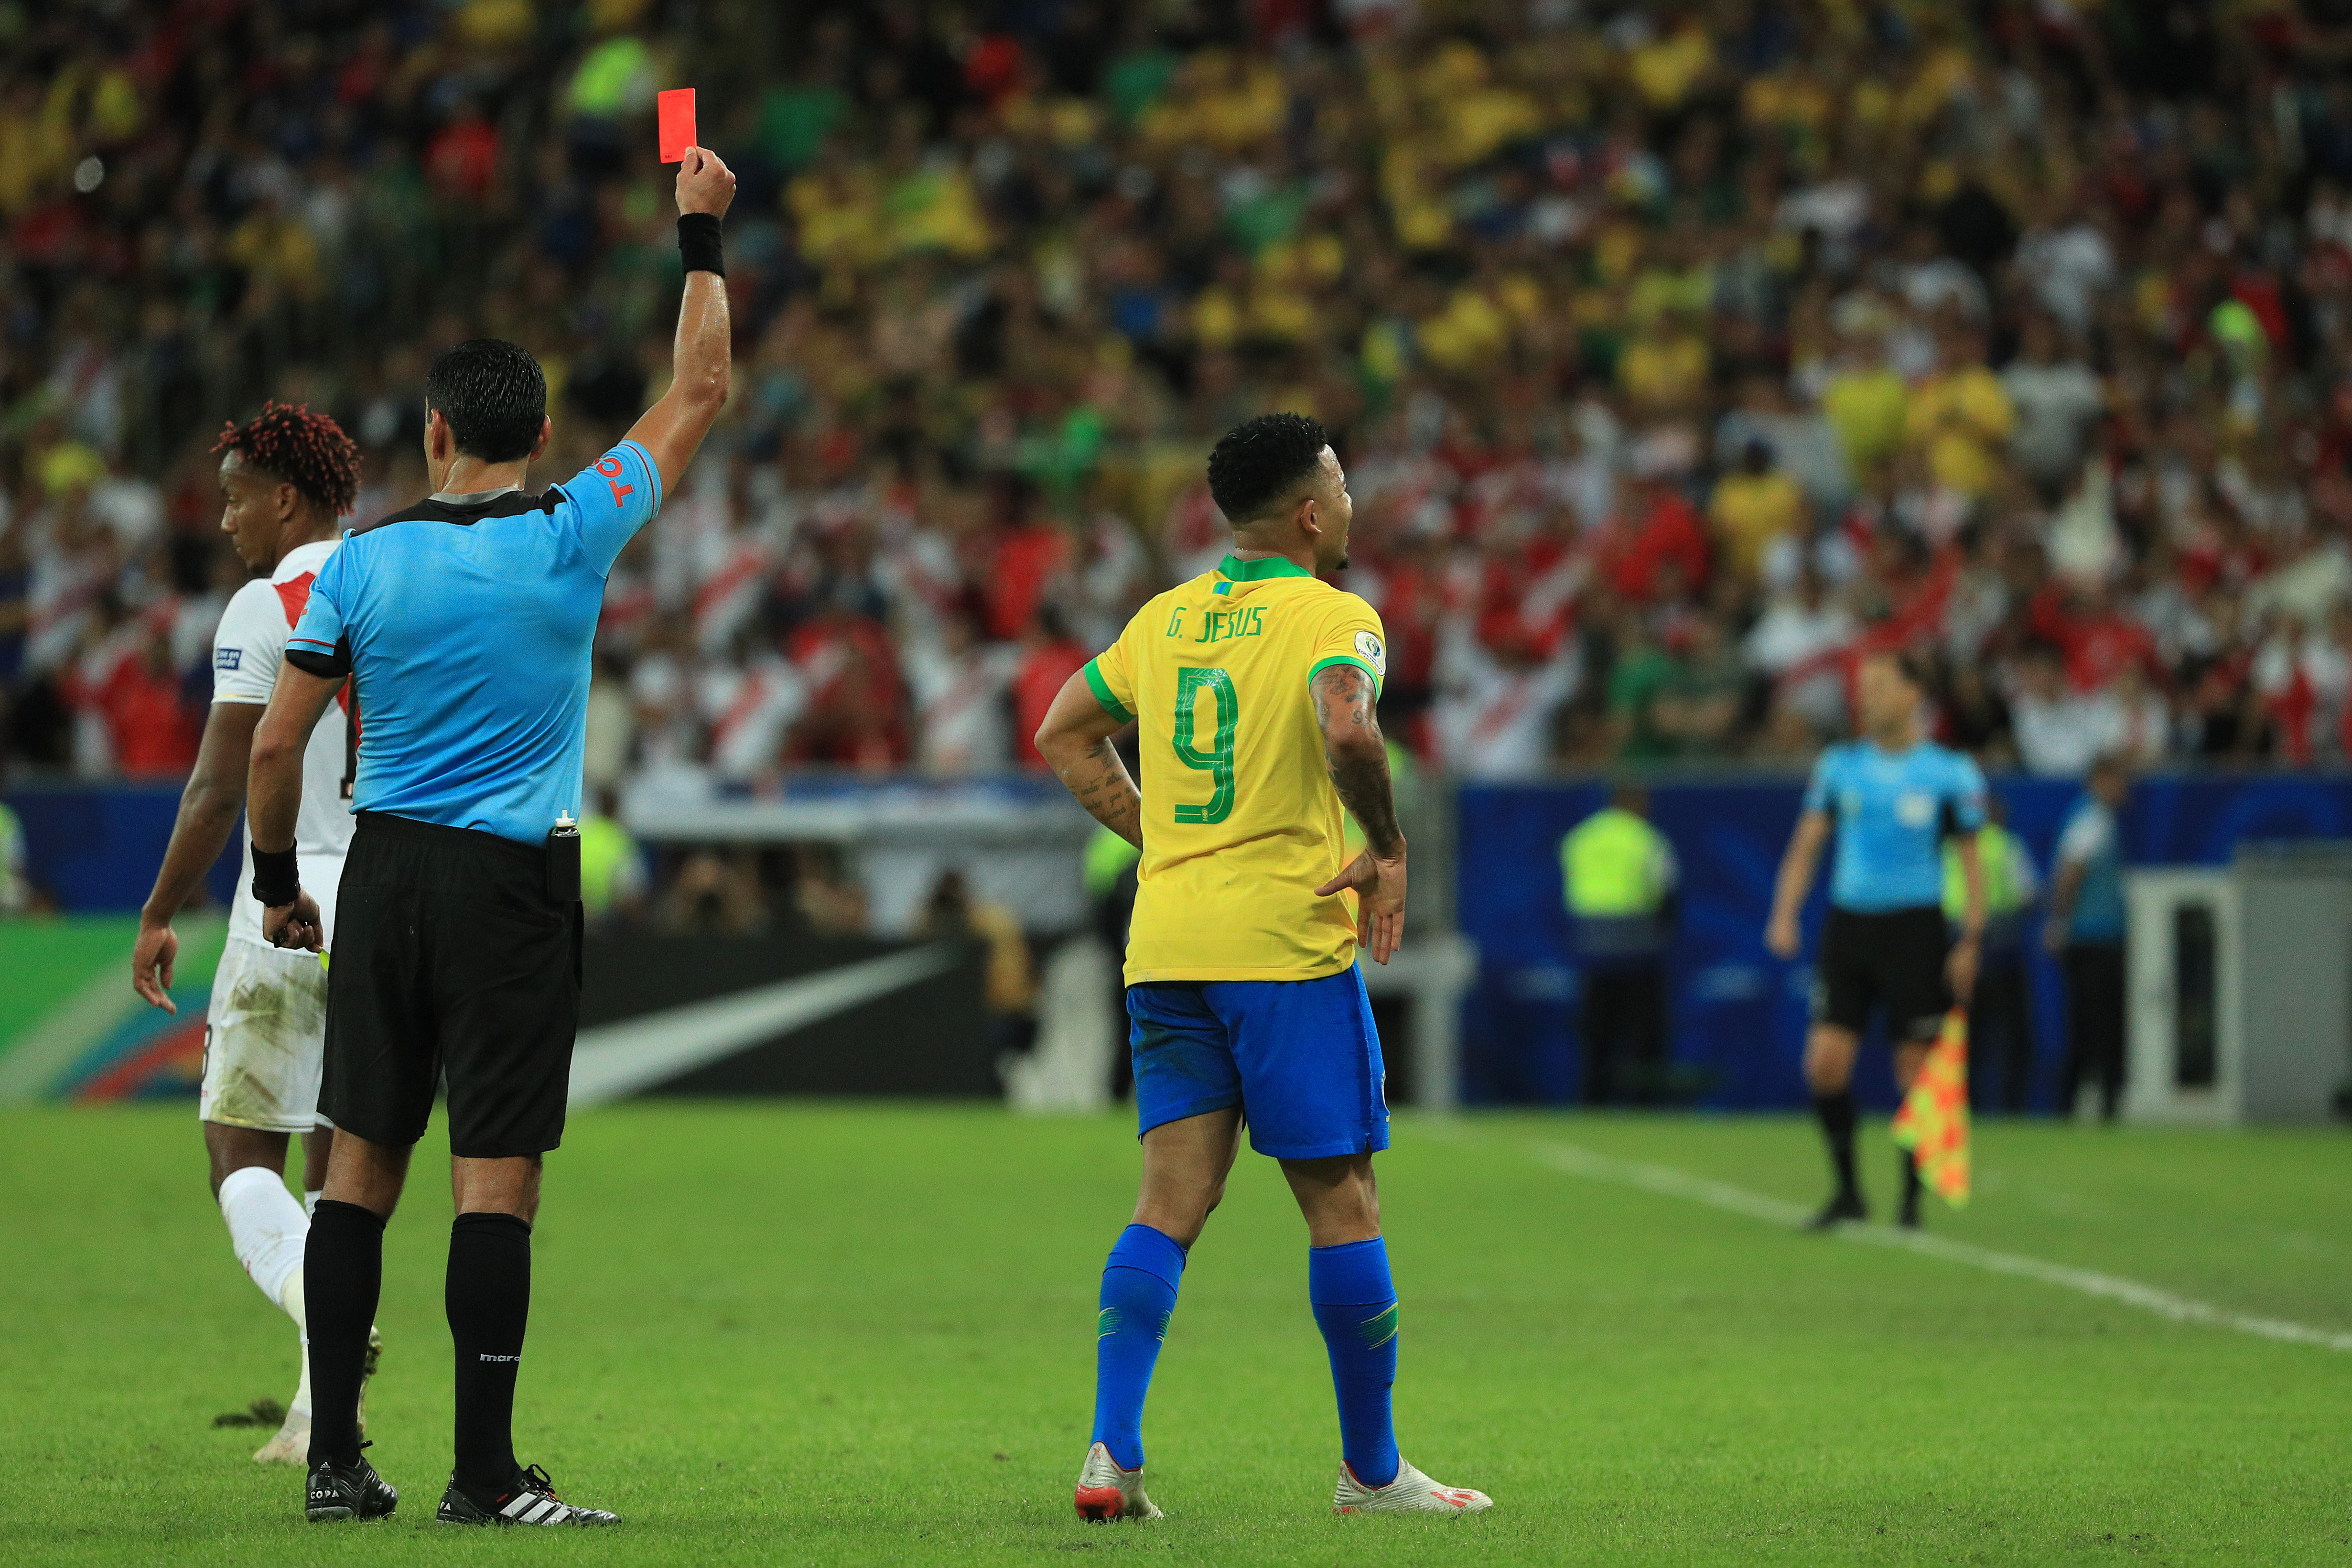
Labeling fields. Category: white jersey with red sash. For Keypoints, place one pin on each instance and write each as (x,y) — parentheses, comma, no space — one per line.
(248,648)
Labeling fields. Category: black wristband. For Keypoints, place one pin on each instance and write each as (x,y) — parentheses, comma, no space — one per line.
(698,243)
(276,880)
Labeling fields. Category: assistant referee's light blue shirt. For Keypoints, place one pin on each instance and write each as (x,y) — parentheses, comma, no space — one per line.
(1892,810)
(467,630)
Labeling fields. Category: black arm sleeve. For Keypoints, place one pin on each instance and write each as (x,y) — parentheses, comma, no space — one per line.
(325,666)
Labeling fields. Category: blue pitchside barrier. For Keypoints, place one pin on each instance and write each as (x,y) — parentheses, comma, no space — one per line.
(95,849)
(1738,1015)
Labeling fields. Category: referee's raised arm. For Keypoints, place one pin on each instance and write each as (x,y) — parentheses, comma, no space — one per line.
(672,430)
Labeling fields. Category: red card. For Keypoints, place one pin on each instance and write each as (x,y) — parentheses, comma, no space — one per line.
(676,111)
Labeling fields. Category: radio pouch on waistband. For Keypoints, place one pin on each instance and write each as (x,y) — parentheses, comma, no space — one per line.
(564,863)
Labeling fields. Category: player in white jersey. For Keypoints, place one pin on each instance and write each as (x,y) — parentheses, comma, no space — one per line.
(285,477)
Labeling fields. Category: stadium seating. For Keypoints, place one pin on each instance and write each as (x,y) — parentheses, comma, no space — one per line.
(1676,352)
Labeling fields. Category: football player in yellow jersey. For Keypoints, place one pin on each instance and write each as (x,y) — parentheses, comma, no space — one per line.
(1253,687)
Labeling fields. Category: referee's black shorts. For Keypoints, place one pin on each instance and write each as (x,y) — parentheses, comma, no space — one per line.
(1895,958)
(449,957)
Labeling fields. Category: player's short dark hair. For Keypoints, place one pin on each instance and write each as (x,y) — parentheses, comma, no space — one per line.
(1260,459)
(493,395)
(309,451)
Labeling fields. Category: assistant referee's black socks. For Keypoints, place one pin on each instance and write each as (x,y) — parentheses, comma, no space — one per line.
(1837,1113)
(489,1301)
(342,1273)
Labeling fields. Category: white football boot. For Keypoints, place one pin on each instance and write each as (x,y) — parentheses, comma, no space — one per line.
(1107,1492)
(291,1445)
(367,1371)
(1411,1492)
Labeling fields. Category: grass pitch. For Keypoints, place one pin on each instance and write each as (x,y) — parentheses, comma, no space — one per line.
(790,1333)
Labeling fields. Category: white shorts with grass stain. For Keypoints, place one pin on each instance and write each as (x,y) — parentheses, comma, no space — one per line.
(265,1038)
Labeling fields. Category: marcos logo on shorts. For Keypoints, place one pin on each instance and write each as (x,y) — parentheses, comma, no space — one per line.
(227,658)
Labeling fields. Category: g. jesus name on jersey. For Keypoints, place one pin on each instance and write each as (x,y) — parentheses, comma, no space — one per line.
(1241,824)
(248,648)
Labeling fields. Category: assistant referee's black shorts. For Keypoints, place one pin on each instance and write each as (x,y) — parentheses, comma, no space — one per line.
(1895,958)
(449,957)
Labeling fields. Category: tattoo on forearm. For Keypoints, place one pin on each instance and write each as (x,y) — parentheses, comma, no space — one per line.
(1363,786)
(1344,700)
(1099,780)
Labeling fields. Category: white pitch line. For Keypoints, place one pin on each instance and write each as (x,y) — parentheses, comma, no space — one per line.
(1670,1183)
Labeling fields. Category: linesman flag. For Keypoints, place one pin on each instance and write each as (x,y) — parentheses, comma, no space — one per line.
(1934,1121)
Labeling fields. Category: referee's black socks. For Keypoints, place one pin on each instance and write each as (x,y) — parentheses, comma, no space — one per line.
(1837,1113)
(489,1301)
(342,1273)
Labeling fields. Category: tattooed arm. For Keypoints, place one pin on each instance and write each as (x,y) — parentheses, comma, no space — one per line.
(1075,740)
(1356,755)
(1358,758)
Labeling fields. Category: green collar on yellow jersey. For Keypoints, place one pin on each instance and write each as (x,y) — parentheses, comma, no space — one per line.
(1242,571)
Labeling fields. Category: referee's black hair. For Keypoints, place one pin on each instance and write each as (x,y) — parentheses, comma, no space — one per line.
(493,395)
(1916,665)
(1260,459)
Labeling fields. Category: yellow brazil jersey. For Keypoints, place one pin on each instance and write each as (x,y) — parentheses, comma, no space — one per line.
(1241,824)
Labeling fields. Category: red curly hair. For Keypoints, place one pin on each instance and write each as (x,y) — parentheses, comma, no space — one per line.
(309,451)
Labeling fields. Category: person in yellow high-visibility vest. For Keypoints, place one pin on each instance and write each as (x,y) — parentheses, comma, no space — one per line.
(1618,874)
(2000,1008)
(612,867)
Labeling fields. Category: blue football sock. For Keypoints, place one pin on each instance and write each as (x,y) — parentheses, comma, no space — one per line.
(1139,1292)
(1356,1307)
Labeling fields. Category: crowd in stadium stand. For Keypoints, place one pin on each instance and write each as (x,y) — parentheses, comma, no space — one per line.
(1676,351)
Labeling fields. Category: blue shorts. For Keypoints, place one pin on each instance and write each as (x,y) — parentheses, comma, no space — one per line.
(1299,1056)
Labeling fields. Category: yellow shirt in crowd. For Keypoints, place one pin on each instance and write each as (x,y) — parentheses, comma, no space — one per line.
(1963,418)
(1664,371)
(1749,511)
(1866,408)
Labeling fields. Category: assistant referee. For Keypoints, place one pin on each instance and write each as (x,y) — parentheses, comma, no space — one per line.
(465,622)
(1892,798)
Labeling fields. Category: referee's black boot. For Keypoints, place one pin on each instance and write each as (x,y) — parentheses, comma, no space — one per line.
(347,1491)
(528,1498)
(1845,1205)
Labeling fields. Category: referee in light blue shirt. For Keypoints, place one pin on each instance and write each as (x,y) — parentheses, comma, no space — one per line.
(1892,798)
(465,622)
(2086,930)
